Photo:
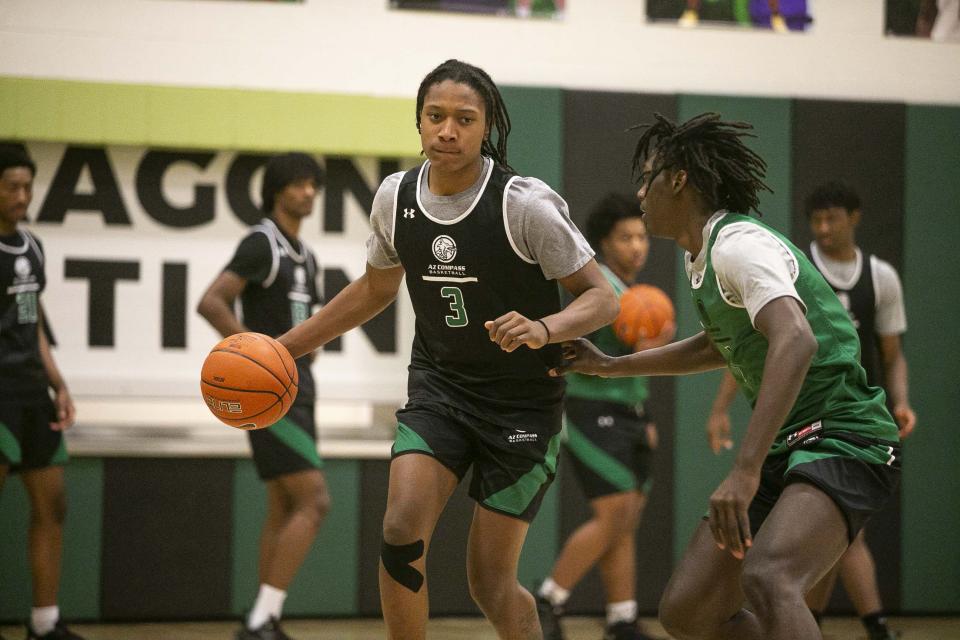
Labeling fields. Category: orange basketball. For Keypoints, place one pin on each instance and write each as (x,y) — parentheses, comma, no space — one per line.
(249,380)
(644,309)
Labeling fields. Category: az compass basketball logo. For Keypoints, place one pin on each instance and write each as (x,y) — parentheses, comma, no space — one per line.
(444,248)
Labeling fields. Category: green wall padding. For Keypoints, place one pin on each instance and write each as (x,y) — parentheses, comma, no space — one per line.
(535,144)
(931,476)
(327,582)
(80,582)
(697,470)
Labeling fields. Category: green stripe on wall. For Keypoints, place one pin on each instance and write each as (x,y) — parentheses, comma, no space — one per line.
(697,469)
(189,117)
(80,582)
(327,582)
(931,477)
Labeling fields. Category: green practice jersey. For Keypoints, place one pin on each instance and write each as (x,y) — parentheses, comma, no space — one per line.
(835,390)
(629,391)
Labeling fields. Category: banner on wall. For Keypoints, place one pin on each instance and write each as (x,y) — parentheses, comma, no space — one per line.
(134,236)
(779,15)
(517,8)
(938,20)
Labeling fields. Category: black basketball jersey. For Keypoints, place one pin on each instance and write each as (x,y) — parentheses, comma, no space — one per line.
(859,298)
(461,273)
(22,279)
(281,289)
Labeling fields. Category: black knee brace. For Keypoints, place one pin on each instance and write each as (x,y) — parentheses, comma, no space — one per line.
(396,560)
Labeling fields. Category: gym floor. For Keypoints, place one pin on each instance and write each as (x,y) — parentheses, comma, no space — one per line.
(927,628)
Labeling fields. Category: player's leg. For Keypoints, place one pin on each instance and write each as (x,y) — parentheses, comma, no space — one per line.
(802,538)
(493,553)
(859,574)
(618,571)
(819,597)
(703,595)
(287,461)
(48,509)
(304,503)
(418,491)
(614,517)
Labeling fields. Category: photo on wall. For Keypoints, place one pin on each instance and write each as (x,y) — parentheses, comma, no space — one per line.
(779,15)
(938,20)
(514,8)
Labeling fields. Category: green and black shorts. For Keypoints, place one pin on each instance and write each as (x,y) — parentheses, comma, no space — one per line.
(288,446)
(513,466)
(26,440)
(608,446)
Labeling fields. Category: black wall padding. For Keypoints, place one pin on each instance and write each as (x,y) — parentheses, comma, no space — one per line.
(166,538)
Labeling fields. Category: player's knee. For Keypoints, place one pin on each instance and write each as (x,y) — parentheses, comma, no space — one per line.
(767,584)
(677,615)
(50,511)
(488,588)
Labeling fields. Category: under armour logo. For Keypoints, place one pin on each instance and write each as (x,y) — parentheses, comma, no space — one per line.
(408,213)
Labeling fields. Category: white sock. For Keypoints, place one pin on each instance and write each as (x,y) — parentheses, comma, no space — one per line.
(625,611)
(269,604)
(44,619)
(553,592)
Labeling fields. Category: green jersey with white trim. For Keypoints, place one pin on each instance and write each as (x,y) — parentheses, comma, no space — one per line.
(629,391)
(835,392)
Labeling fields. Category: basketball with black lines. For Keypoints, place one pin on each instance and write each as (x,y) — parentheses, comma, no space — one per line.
(644,310)
(249,381)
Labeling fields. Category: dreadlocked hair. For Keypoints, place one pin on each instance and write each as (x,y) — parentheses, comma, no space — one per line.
(726,172)
(496,111)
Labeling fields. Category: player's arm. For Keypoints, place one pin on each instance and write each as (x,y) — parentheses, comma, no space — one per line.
(718,422)
(361,300)
(895,368)
(594,305)
(217,303)
(62,400)
(791,347)
(690,355)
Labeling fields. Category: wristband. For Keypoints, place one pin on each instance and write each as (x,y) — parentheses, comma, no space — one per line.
(545,328)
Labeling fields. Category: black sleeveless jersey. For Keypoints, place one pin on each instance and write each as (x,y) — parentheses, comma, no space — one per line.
(460,274)
(22,279)
(281,289)
(859,298)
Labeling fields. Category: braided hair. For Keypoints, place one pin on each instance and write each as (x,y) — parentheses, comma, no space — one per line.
(496,111)
(726,172)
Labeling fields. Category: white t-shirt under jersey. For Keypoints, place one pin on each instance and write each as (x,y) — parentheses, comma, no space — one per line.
(537,218)
(891,317)
(753,267)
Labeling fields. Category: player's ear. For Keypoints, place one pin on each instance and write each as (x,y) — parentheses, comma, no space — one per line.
(855,218)
(679,180)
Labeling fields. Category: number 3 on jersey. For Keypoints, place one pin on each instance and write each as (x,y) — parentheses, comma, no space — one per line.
(459,317)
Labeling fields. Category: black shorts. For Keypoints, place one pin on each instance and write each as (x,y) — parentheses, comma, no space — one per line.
(288,446)
(26,440)
(858,488)
(607,443)
(512,467)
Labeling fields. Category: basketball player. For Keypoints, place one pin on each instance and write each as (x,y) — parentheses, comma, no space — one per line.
(31,423)
(610,441)
(821,452)
(481,249)
(870,291)
(275,276)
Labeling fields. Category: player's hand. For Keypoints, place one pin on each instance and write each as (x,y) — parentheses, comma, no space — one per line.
(718,431)
(729,522)
(512,330)
(66,413)
(653,437)
(667,332)
(906,419)
(582,357)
